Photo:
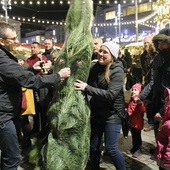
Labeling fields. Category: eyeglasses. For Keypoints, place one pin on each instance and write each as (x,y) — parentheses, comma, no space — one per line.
(13,39)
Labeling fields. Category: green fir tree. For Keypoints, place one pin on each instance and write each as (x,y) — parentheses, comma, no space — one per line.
(69,116)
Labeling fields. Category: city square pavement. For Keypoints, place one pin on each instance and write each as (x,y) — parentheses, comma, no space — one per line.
(144,162)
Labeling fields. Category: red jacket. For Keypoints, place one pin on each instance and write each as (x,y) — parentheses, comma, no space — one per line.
(136,113)
(34,58)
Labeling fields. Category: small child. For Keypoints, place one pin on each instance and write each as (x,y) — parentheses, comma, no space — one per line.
(21,60)
(136,112)
(162,153)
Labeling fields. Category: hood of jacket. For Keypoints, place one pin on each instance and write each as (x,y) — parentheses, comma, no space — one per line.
(164,35)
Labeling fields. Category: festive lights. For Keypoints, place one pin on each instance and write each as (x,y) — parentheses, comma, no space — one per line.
(163,17)
(23,2)
(160,2)
(24,19)
(62,2)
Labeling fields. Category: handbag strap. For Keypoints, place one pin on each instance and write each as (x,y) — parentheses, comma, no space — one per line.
(118,113)
(121,115)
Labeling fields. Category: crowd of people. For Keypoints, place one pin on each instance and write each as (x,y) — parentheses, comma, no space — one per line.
(13,77)
(104,91)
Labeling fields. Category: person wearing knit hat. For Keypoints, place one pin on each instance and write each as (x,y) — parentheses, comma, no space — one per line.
(20,57)
(163,36)
(113,48)
(136,112)
(161,41)
(21,60)
(138,86)
(161,75)
(105,88)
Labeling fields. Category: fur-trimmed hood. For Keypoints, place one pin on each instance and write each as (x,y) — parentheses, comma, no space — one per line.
(164,35)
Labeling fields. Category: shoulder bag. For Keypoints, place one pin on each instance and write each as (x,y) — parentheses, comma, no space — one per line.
(126,125)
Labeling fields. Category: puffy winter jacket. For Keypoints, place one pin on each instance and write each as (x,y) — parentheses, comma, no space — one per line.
(106,98)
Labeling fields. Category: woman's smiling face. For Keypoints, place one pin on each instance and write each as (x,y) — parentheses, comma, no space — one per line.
(104,56)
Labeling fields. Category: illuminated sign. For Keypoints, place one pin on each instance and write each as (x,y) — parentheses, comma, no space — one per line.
(110,15)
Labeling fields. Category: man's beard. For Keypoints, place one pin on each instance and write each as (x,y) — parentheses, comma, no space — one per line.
(165,52)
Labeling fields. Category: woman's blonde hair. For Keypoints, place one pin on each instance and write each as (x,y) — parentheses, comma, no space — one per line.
(106,78)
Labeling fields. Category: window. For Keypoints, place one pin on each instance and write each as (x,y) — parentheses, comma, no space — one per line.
(110,15)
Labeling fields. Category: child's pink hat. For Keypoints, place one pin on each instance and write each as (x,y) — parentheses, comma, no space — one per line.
(138,86)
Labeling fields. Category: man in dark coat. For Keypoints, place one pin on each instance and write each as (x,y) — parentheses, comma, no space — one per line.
(161,75)
(12,78)
(145,56)
(161,70)
(48,45)
(147,68)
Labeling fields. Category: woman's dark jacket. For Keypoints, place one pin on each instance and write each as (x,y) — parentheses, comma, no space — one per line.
(12,78)
(106,98)
(145,62)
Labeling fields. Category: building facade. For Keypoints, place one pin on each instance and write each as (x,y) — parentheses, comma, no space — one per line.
(126,22)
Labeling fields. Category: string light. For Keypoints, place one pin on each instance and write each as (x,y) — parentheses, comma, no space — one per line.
(63,23)
(143,20)
(68,1)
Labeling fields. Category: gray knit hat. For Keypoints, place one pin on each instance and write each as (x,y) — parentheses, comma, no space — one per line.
(113,48)
(21,56)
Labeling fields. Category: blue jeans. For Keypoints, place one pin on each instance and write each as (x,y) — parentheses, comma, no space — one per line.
(9,146)
(111,138)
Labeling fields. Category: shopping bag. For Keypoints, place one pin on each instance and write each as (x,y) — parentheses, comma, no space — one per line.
(24,100)
(28,105)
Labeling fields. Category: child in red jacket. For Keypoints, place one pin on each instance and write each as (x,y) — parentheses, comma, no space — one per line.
(136,112)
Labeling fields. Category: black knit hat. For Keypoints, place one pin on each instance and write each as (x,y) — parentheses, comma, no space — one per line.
(164,35)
